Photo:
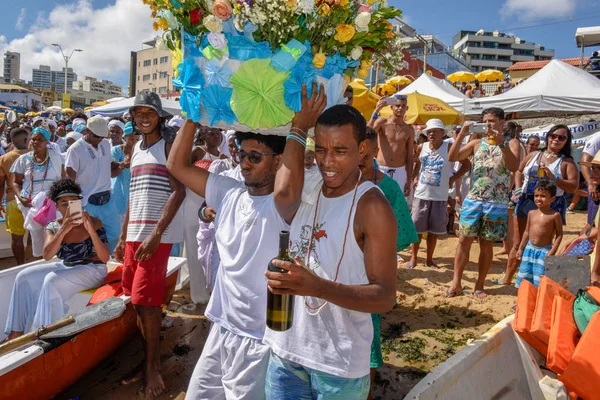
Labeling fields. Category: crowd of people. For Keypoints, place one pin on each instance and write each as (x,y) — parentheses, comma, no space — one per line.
(476,90)
(136,186)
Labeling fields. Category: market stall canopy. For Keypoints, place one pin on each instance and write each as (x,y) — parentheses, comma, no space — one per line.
(119,107)
(438,88)
(588,36)
(422,108)
(557,88)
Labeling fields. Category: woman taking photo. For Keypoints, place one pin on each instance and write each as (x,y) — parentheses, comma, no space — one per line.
(554,163)
(79,242)
(33,174)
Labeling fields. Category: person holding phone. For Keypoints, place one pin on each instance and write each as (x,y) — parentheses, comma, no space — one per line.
(79,242)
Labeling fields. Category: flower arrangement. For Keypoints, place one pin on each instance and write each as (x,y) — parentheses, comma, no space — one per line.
(302,39)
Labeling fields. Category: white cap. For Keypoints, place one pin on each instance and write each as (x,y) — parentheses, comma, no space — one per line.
(98,126)
(434,124)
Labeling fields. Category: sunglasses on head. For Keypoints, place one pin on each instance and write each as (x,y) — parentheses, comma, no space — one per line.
(255,157)
(560,138)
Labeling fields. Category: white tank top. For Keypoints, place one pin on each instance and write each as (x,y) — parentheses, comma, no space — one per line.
(336,341)
(149,191)
(530,173)
(434,176)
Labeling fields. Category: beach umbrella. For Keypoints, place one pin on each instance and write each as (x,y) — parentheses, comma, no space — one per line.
(422,108)
(386,89)
(398,80)
(461,76)
(364,100)
(490,75)
(99,103)
(359,81)
(67,110)
(53,109)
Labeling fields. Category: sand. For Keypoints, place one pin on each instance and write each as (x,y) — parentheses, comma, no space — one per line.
(421,332)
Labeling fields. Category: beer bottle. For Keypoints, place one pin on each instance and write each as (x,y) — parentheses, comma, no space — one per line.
(280,307)
(541,173)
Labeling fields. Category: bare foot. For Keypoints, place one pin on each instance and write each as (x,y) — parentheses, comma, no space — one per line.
(501,253)
(154,384)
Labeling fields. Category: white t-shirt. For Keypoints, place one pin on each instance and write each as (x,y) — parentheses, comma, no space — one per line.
(247,233)
(435,173)
(92,166)
(336,341)
(592,145)
(22,166)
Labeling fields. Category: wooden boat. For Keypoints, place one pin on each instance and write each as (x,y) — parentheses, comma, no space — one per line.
(499,365)
(46,367)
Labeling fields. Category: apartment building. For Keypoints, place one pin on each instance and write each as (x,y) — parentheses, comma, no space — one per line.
(43,78)
(151,69)
(496,50)
(90,84)
(12,67)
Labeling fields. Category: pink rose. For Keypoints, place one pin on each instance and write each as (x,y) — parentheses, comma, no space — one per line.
(365,8)
(222,9)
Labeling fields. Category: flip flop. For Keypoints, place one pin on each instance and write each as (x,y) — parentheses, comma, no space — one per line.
(497,281)
(480,294)
(410,265)
(452,293)
(433,265)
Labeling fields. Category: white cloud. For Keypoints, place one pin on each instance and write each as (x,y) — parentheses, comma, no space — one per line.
(106,35)
(20,19)
(536,9)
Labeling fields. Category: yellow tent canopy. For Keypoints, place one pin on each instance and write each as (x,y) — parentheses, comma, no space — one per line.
(489,75)
(422,108)
(461,76)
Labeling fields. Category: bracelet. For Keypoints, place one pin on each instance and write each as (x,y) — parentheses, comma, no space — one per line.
(297,137)
(202,215)
(301,131)
(374,115)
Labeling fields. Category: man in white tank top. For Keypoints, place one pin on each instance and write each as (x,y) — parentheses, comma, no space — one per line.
(347,238)
(234,360)
(150,229)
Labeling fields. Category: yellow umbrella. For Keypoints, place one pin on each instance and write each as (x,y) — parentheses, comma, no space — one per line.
(364,99)
(422,108)
(398,80)
(99,103)
(461,76)
(359,81)
(67,110)
(87,108)
(386,89)
(490,75)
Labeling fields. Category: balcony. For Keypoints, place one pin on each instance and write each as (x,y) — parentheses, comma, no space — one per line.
(524,46)
(517,58)
(491,63)
(544,53)
(487,50)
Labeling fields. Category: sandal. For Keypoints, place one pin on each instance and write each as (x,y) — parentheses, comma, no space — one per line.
(452,293)
(410,265)
(480,294)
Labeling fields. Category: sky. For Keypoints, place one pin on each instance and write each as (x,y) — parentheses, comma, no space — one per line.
(108,30)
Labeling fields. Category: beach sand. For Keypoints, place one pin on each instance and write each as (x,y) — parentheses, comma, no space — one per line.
(421,332)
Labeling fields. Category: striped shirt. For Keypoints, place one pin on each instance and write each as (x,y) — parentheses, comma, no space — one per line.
(149,191)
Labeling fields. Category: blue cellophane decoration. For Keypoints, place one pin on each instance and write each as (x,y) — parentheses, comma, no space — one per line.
(217,73)
(216,100)
(190,82)
(336,64)
(293,85)
(242,48)
(286,58)
(334,89)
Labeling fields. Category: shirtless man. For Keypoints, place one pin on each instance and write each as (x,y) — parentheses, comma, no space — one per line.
(396,141)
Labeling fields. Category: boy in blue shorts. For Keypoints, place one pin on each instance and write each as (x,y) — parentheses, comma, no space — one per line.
(543,225)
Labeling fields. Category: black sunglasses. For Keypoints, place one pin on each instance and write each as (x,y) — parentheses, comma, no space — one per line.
(255,157)
(560,138)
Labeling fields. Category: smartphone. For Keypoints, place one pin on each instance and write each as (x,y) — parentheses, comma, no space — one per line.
(75,207)
(478,128)
(392,101)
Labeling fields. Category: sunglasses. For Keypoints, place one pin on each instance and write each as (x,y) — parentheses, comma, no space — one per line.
(255,157)
(560,138)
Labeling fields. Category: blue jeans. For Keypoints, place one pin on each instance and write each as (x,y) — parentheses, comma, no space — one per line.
(289,380)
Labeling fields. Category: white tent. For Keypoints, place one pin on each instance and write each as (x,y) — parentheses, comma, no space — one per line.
(438,88)
(119,107)
(556,88)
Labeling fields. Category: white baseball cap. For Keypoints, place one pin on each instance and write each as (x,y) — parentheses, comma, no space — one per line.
(98,126)
(434,124)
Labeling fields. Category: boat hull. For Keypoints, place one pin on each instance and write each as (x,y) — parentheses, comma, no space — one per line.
(45,376)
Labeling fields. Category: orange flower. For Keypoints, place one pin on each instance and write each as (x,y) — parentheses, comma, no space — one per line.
(155,25)
(344,33)
(324,10)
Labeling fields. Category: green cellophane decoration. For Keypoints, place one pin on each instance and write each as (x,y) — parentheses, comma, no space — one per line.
(257,98)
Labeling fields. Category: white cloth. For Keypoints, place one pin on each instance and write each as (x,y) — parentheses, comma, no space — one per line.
(40,292)
(396,173)
(91,165)
(191,225)
(247,232)
(337,341)
(434,176)
(231,367)
(62,143)
(592,145)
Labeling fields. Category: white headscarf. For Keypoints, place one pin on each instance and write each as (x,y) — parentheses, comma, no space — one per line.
(76,122)
(224,147)
(116,122)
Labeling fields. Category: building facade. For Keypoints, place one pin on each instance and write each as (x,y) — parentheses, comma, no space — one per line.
(12,67)
(43,78)
(89,84)
(151,69)
(496,50)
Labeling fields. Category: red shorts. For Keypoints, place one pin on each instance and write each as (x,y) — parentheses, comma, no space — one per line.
(145,281)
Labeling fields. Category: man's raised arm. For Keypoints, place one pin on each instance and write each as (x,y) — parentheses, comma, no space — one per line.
(180,164)
(290,177)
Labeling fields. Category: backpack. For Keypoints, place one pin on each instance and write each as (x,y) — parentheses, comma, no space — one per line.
(584,307)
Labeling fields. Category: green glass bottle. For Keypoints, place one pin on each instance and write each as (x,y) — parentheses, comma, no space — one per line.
(280,307)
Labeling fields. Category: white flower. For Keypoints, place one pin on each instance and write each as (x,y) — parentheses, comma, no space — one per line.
(213,24)
(161,45)
(217,40)
(306,6)
(356,53)
(238,23)
(362,22)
